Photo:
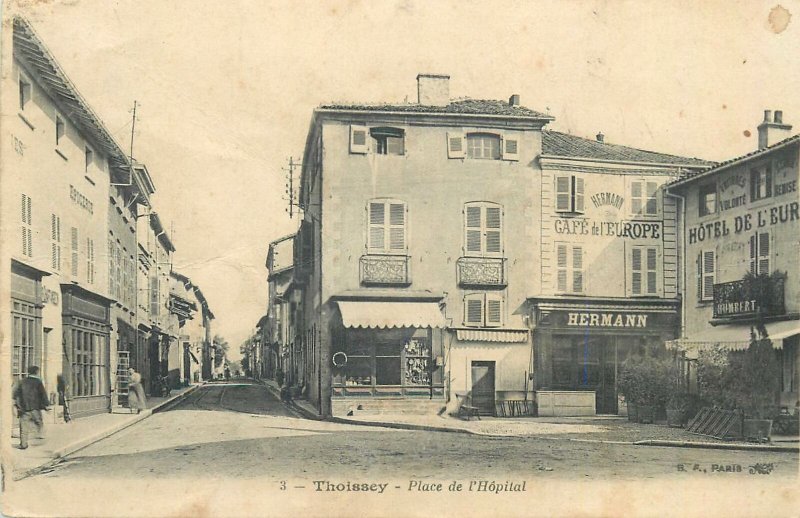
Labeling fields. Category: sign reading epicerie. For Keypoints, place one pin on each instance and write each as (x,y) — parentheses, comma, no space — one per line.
(629,229)
(745,222)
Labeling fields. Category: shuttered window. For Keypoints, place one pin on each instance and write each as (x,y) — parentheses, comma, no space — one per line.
(569,268)
(483,229)
(759,253)
(27,226)
(358,139)
(483,146)
(55,242)
(74,249)
(706,274)
(569,194)
(387,226)
(644,270)
(761,182)
(483,310)
(113,287)
(644,197)
(90,260)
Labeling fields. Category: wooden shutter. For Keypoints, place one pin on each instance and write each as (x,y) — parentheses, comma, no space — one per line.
(472,229)
(561,267)
(652,270)
(698,263)
(376,214)
(397,227)
(494,310)
(578,195)
(577,269)
(358,139)
(708,268)
(651,195)
(754,254)
(473,310)
(510,148)
(763,253)
(563,193)
(456,145)
(636,271)
(636,196)
(494,230)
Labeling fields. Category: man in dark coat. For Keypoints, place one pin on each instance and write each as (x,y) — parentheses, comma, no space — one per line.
(30,398)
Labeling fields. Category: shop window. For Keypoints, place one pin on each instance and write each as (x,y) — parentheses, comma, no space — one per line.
(644,197)
(759,253)
(27,226)
(24,91)
(55,242)
(483,229)
(644,270)
(563,363)
(761,183)
(89,360)
(706,275)
(388,141)
(387,222)
(708,199)
(569,194)
(483,310)
(24,332)
(569,268)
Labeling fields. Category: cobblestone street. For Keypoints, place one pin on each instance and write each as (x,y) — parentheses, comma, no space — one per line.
(240,433)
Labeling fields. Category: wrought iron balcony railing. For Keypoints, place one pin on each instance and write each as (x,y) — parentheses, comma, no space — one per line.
(385,270)
(761,295)
(482,272)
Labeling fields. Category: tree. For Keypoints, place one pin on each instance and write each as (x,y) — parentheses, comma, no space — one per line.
(221,350)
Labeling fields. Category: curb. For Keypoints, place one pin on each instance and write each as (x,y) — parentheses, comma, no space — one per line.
(69,449)
(293,407)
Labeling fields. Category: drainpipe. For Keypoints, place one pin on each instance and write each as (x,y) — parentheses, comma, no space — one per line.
(682,252)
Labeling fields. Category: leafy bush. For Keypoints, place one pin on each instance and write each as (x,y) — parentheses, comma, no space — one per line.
(648,380)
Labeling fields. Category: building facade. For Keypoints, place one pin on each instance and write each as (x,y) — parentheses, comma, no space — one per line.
(279,345)
(609,268)
(741,229)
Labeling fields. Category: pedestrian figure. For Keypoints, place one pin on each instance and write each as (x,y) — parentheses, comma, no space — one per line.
(136,398)
(61,388)
(30,398)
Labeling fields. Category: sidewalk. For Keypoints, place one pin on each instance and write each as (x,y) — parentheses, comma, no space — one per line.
(62,439)
(594,429)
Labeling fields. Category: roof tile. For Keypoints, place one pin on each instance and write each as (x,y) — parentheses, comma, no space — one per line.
(463,106)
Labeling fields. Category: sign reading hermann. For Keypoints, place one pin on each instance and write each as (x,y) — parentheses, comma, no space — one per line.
(606,320)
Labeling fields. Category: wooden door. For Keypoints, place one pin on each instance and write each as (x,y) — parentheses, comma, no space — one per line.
(483,396)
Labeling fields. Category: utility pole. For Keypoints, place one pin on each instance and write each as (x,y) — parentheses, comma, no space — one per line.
(290,184)
(133,127)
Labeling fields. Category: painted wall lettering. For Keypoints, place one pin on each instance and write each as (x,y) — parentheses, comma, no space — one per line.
(746,222)
(80,200)
(626,229)
(608,198)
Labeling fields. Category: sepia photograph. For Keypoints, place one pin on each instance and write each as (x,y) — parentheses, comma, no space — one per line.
(400,258)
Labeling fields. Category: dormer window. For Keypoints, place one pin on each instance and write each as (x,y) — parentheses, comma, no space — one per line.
(388,141)
(483,146)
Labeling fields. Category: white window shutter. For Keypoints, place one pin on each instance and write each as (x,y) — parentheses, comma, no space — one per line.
(473,310)
(510,148)
(397,227)
(563,193)
(636,271)
(709,270)
(456,145)
(578,195)
(577,269)
(376,214)
(494,230)
(637,195)
(494,310)
(358,139)
(472,229)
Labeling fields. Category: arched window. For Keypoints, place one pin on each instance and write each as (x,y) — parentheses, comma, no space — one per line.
(483,145)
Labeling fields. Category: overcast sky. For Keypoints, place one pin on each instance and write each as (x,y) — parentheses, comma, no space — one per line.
(226,90)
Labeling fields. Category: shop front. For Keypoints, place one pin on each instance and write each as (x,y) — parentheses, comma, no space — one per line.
(580,346)
(387,355)
(26,318)
(85,327)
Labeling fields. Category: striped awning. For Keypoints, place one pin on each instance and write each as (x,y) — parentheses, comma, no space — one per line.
(736,337)
(492,335)
(382,315)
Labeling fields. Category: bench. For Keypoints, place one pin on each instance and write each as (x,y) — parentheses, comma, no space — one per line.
(465,410)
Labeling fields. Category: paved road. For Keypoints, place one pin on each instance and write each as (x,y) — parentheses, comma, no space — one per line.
(240,432)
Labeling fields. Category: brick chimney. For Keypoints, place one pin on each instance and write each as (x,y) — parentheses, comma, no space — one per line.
(600,137)
(772,129)
(433,89)
(513,100)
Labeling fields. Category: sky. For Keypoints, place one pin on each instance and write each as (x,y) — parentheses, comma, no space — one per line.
(226,91)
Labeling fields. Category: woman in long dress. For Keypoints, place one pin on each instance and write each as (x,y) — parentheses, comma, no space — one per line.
(136,399)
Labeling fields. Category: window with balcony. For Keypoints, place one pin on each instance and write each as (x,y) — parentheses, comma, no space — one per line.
(386,261)
(483,263)
(569,194)
(483,310)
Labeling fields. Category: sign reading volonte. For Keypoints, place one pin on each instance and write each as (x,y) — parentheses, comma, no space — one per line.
(591,319)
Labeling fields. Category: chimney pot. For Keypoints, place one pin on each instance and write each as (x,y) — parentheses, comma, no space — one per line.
(600,137)
(767,115)
(773,129)
(513,100)
(778,117)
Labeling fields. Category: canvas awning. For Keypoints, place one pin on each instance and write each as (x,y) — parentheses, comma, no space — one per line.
(492,335)
(736,337)
(381,315)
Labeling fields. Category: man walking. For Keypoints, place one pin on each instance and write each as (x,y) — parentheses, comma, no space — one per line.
(30,398)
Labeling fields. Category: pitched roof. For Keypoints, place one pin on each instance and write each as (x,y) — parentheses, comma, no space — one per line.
(462,106)
(562,144)
(722,165)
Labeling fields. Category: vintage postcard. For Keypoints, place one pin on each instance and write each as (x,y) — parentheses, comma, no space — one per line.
(399,258)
